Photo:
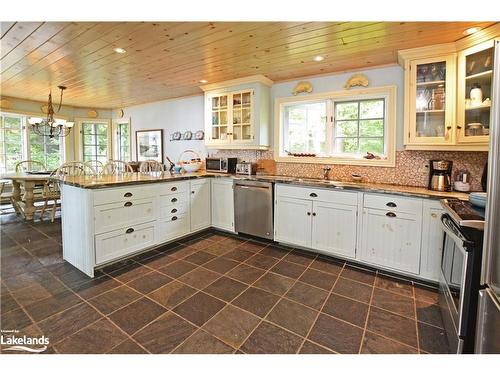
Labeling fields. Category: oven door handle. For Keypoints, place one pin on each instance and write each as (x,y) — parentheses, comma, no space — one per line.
(447,224)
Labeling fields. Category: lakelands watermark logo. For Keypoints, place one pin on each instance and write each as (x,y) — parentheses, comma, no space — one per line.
(12,341)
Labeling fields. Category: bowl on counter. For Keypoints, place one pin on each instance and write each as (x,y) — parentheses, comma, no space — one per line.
(478,199)
(192,166)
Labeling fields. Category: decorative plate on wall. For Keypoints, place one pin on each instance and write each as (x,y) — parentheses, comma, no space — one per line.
(187,135)
(200,134)
(176,136)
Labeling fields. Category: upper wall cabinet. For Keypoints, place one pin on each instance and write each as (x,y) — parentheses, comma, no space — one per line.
(475,72)
(447,96)
(237,113)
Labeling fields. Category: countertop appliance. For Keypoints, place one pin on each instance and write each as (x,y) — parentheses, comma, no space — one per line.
(459,280)
(246,169)
(440,175)
(253,208)
(221,165)
(488,321)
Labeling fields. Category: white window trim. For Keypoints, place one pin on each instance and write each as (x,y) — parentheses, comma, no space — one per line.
(116,150)
(386,92)
(79,136)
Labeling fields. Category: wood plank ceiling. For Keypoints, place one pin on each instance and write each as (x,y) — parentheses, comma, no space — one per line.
(168,59)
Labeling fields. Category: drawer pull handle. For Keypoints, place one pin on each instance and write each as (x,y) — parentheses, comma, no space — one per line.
(173,200)
(174,218)
(391,204)
(174,188)
(128,204)
(128,194)
(314,195)
(308,214)
(390,214)
(174,210)
(314,213)
(129,230)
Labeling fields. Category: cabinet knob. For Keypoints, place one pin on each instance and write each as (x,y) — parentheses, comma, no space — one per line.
(391,204)
(314,195)
(459,126)
(127,194)
(174,188)
(448,127)
(314,213)
(434,215)
(192,192)
(390,214)
(308,214)
(129,230)
(174,218)
(127,204)
(173,200)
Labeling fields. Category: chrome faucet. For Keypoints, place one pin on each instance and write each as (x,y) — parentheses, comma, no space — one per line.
(326,172)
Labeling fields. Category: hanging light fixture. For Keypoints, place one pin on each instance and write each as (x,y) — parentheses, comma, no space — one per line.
(50,126)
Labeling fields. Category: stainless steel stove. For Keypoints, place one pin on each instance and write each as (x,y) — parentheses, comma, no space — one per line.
(463,226)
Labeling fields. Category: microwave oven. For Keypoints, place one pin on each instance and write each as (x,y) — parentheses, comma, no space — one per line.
(221,165)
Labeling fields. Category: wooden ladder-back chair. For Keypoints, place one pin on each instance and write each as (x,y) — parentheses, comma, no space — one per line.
(151,166)
(30,165)
(113,167)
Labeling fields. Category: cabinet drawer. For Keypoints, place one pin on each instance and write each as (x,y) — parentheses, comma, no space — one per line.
(177,208)
(124,241)
(314,194)
(173,227)
(173,199)
(393,203)
(123,194)
(108,217)
(173,187)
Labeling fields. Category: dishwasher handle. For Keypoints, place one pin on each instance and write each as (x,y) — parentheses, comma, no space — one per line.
(251,187)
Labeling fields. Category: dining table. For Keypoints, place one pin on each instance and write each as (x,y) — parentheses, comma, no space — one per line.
(24,185)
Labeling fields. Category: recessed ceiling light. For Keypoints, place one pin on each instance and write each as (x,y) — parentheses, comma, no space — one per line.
(318,58)
(471,30)
(203,81)
(119,50)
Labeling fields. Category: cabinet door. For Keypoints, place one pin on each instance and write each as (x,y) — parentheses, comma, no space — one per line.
(432,241)
(222,204)
(242,117)
(173,226)
(334,228)
(293,221)
(218,110)
(474,94)
(391,239)
(200,204)
(431,102)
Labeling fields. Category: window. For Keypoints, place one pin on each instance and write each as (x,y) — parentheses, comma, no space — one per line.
(18,142)
(11,142)
(338,127)
(122,141)
(95,142)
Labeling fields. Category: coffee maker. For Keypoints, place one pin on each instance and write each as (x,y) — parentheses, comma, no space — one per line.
(440,175)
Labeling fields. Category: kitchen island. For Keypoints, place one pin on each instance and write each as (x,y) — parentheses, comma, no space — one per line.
(108,218)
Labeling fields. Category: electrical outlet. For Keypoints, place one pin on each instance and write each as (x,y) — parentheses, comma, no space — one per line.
(424,168)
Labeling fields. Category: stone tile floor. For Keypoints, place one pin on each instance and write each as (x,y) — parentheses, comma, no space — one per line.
(210,293)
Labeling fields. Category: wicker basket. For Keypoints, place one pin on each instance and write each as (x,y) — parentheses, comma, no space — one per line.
(193,164)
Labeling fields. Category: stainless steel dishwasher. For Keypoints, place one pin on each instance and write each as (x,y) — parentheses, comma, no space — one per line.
(253,208)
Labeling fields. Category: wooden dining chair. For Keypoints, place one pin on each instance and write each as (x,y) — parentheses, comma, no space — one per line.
(30,165)
(5,196)
(113,167)
(52,190)
(96,165)
(151,166)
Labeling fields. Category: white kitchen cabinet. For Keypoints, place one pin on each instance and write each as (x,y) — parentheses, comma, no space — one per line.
(223,204)
(329,226)
(113,216)
(293,221)
(432,240)
(174,226)
(391,239)
(334,228)
(200,202)
(237,113)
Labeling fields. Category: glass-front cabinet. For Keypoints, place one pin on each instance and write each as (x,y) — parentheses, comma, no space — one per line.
(475,73)
(431,104)
(220,124)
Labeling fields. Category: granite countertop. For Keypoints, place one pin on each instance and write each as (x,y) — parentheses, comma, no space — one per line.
(93,182)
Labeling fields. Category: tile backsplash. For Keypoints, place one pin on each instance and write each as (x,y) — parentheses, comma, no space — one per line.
(411,167)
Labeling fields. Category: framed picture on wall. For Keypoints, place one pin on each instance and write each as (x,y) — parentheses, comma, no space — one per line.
(149,145)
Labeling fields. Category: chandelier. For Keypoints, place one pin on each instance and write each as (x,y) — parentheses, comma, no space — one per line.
(50,126)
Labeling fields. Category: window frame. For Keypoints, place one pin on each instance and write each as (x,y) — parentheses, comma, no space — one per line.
(79,136)
(26,132)
(116,140)
(388,93)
